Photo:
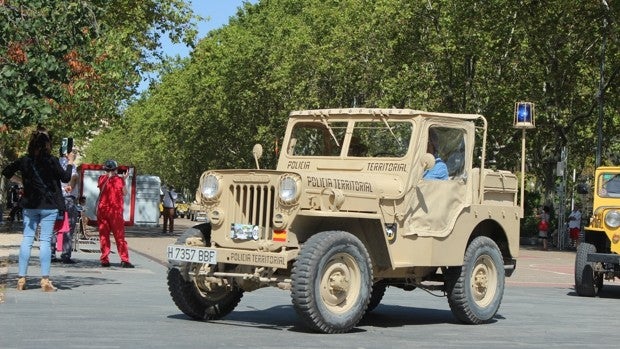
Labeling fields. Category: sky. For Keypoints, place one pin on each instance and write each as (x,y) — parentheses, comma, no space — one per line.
(217,14)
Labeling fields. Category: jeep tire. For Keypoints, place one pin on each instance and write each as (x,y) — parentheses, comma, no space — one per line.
(378,291)
(206,302)
(587,283)
(331,282)
(475,290)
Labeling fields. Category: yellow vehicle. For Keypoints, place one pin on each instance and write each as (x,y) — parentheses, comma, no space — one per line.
(182,209)
(598,258)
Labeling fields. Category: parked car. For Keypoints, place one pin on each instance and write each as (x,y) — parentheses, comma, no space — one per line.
(182,209)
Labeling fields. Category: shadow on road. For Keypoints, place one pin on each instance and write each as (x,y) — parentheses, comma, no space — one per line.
(608,291)
(285,318)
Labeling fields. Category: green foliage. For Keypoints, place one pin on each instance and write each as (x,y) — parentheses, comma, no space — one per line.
(35,41)
(441,55)
(73,65)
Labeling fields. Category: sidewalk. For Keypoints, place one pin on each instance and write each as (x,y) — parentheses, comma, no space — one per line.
(147,242)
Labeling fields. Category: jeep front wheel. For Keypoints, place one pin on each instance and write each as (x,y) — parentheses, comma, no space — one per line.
(193,293)
(587,283)
(475,290)
(331,282)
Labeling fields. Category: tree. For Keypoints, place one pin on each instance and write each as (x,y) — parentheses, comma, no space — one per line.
(39,41)
(441,55)
(73,65)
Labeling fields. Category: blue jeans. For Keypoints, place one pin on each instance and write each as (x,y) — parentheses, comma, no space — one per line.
(32,218)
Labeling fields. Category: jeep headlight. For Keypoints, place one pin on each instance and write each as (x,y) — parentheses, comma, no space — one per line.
(289,189)
(612,218)
(210,187)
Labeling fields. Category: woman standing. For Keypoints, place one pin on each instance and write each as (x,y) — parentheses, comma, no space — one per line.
(41,175)
(543,226)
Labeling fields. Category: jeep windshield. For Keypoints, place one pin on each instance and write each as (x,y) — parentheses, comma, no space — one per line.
(610,185)
(368,139)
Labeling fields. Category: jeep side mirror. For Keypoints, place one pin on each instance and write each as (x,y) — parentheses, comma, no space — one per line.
(257,151)
(427,161)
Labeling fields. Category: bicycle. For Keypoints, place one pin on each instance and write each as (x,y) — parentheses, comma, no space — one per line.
(84,234)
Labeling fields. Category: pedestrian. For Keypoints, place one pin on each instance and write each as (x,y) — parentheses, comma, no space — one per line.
(16,194)
(70,194)
(169,201)
(1,211)
(574,226)
(543,226)
(109,210)
(42,202)
(9,200)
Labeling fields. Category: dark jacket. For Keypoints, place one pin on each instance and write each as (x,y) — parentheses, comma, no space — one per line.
(46,192)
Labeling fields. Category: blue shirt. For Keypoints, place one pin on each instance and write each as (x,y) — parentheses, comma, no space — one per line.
(437,172)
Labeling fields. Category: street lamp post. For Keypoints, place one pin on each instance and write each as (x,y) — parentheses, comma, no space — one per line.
(601,97)
(523,119)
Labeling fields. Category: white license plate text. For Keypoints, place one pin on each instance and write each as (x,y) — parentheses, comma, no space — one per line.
(191,254)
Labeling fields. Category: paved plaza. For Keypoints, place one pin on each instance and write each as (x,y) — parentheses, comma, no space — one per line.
(112,307)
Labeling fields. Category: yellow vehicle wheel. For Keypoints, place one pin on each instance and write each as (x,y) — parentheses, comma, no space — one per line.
(587,283)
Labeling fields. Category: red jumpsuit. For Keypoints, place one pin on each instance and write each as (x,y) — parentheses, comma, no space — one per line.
(110,216)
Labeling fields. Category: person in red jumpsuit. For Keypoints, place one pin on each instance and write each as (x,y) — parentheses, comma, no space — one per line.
(110,214)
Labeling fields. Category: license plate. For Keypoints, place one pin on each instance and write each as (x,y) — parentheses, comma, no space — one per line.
(192,254)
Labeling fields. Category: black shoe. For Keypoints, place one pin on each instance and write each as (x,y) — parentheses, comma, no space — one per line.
(105,264)
(55,260)
(126,265)
(68,261)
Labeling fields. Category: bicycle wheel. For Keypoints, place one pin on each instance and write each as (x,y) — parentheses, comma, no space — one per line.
(78,234)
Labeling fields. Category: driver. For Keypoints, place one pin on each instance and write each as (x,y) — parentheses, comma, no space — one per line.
(440,170)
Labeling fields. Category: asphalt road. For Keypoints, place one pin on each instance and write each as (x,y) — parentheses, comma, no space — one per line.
(130,308)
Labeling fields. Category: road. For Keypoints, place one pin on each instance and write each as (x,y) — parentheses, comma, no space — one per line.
(130,308)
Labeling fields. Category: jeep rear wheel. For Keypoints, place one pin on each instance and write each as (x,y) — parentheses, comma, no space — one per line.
(193,294)
(475,290)
(587,283)
(378,291)
(331,282)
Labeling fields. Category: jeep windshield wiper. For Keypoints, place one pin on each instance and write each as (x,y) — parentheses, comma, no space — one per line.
(329,128)
(384,119)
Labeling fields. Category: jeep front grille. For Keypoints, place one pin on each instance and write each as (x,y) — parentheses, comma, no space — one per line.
(253,204)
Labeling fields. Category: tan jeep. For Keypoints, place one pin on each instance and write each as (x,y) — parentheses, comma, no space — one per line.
(357,204)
